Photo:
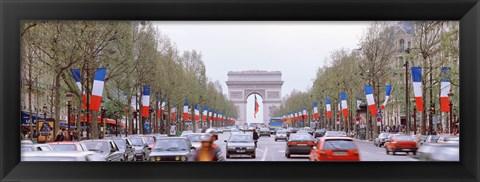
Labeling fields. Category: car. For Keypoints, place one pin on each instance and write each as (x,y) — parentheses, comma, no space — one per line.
(150,140)
(335,134)
(281,135)
(185,133)
(68,146)
(438,152)
(194,139)
(319,133)
(380,140)
(300,143)
(171,149)
(240,144)
(235,131)
(199,130)
(35,147)
(289,131)
(335,149)
(227,129)
(61,156)
(448,139)
(432,139)
(126,147)
(141,147)
(106,148)
(264,132)
(26,142)
(302,132)
(219,131)
(400,143)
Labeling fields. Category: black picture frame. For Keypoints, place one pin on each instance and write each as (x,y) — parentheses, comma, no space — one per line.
(466,11)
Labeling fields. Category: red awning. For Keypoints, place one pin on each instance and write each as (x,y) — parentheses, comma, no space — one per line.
(82,119)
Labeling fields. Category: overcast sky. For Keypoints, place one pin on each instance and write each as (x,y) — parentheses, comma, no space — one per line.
(297,49)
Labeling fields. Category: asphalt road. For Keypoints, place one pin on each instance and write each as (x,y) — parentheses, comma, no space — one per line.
(269,150)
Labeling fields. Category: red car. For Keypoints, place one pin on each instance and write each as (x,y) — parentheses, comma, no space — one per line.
(68,146)
(401,143)
(335,149)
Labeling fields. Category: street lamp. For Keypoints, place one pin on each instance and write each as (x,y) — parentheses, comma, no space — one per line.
(69,106)
(450,126)
(116,122)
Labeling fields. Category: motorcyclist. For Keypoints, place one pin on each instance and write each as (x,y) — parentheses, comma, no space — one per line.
(208,151)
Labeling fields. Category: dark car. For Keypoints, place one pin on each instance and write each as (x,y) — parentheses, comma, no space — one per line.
(299,144)
(319,133)
(106,147)
(171,149)
(438,152)
(126,147)
(380,140)
(240,144)
(141,147)
(264,132)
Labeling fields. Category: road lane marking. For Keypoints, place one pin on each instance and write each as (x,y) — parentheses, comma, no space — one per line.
(265,154)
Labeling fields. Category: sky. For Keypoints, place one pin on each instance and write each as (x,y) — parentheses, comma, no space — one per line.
(297,49)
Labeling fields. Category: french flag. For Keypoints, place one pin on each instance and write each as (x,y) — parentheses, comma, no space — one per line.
(315,110)
(205,112)
(185,110)
(77,77)
(291,117)
(370,100)
(146,101)
(343,98)
(444,90)
(300,115)
(162,107)
(328,108)
(305,115)
(210,114)
(173,113)
(197,113)
(417,87)
(388,90)
(97,90)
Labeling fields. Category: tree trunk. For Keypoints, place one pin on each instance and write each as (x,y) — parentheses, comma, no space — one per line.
(94,129)
(57,102)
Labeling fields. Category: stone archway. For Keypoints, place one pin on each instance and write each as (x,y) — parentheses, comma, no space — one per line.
(267,84)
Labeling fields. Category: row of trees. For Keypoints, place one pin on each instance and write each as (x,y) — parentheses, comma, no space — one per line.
(380,60)
(134,53)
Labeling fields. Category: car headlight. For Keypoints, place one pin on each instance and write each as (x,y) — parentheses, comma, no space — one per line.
(250,147)
(158,158)
(152,158)
(177,158)
(183,158)
(231,147)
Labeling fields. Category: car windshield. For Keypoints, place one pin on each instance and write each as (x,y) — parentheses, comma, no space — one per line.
(264,129)
(136,141)
(338,144)
(301,137)
(452,139)
(27,148)
(171,145)
(404,138)
(240,139)
(336,133)
(98,146)
(150,140)
(194,138)
(122,144)
(281,132)
(63,147)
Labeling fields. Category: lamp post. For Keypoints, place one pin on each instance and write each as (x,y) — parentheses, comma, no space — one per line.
(450,126)
(407,99)
(69,112)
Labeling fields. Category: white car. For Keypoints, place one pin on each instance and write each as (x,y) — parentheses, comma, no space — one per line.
(62,156)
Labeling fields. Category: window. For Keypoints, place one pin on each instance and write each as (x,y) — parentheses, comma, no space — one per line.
(402,44)
(409,44)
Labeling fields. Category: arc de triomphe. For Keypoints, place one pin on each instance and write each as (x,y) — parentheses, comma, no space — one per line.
(267,84)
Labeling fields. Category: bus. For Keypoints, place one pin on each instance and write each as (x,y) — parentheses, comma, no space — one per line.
(276,123)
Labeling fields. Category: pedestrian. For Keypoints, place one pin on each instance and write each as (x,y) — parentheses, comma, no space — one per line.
(255,137)
(60,135)
(75,135)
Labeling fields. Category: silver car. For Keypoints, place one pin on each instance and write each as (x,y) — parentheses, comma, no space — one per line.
(35,147)
(240,144)
(141,147)
(62,156)
(194,139)
(171,149)
(106,147)
(281,135)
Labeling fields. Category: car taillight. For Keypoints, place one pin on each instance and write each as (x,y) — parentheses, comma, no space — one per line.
(311,143)
(355,152)
(292,143)
(322,152)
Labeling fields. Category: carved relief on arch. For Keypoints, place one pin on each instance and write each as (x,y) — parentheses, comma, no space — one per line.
(236,94)
(260,92)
